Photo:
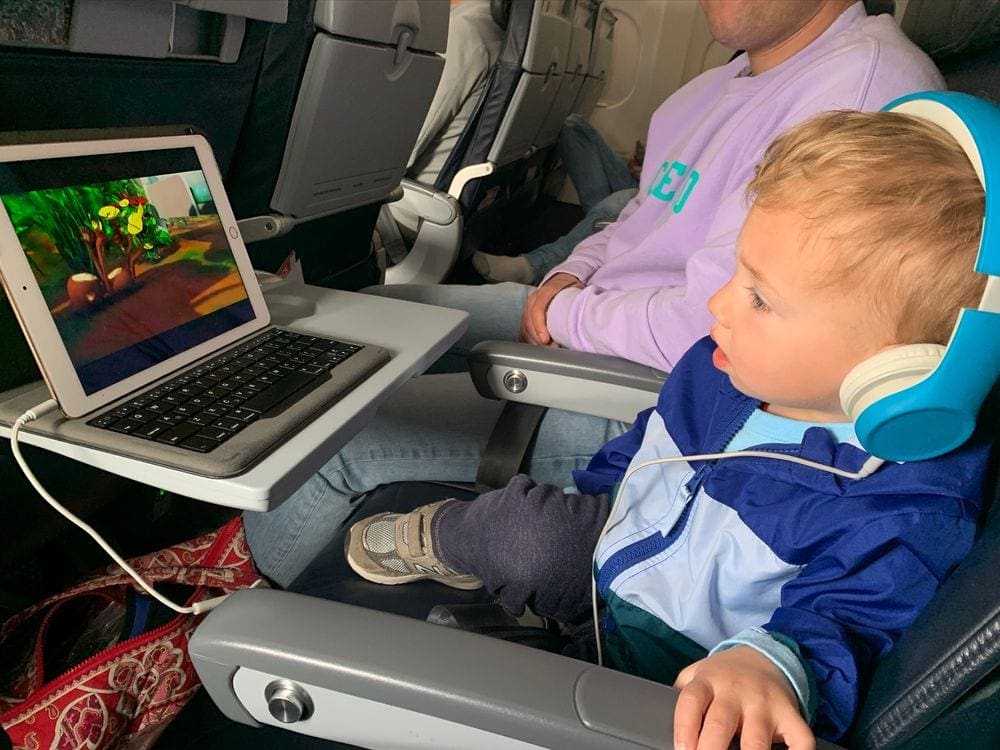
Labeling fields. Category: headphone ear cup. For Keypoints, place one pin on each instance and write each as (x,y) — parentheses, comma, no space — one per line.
(890,371)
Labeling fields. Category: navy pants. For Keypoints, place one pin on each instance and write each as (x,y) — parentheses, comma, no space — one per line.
(531,545)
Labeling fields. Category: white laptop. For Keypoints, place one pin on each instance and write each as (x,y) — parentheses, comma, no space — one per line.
(124,265)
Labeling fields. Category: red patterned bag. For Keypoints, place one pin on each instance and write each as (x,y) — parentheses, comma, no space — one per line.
(125,694)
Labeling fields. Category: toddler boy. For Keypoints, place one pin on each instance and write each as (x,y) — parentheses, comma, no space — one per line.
(765,590)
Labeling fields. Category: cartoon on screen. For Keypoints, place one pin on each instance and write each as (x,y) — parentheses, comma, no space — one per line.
(123,261)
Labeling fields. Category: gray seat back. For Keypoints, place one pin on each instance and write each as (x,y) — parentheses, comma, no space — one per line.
(368,82)
(242,80)
(542,69)
(599,64)
(572,78)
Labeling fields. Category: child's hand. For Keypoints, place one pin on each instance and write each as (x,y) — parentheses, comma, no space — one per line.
(737,690)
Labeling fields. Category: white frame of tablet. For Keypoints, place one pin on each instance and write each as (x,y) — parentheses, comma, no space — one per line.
(32,311)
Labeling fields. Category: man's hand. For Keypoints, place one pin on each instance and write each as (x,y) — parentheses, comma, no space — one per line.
(738,690)
(533,327)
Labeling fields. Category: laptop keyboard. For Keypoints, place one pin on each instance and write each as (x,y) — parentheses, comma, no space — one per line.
(206,406)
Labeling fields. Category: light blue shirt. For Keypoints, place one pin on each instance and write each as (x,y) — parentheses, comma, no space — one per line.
(764,427)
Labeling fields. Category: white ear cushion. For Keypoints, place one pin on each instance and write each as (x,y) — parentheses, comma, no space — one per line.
(888,372)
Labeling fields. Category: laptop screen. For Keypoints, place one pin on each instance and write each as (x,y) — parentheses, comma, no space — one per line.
(130,254)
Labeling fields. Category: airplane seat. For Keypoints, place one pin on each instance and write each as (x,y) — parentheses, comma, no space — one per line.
(515,104)
(940,684)
(263,81)
(101,65)
(581,42)
(599,64)
(496,170)
(339,163)
(522,154)
(936,688)
(963,38)
(434,214)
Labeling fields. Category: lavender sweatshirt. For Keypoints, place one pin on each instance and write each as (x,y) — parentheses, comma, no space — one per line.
(649,275)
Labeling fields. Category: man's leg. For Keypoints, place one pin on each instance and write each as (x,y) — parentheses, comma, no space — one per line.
(433,429)
(532,267)
(596,170)
(543,259)
(494,313)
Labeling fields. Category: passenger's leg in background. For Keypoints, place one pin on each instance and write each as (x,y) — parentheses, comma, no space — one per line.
(494,313)
(433,429)
(595,170)
(532,267)
(528,543)
(545,258)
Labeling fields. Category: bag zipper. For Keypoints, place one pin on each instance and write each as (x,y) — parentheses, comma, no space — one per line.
(212,554)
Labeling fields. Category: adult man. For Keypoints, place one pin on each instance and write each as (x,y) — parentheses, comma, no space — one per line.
(639,288)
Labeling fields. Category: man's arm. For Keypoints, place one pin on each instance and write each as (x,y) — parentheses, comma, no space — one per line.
(653,325)
(592,253)
(586,258)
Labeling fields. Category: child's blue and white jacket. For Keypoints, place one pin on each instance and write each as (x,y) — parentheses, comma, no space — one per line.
(819,572)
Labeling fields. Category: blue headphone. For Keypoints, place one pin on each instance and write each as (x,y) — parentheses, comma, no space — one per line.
(918,401)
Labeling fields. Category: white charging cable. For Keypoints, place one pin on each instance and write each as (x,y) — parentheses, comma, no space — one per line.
(44,408)
(867,469)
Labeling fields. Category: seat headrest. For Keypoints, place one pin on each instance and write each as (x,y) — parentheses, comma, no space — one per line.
(500,10)
(945,28)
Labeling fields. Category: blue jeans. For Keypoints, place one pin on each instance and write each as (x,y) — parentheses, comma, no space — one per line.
(434,428)
(494,313)
(546,257)
(596,170)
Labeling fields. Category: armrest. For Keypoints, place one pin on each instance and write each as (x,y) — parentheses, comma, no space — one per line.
(595,384)
(437,219)
(379,680)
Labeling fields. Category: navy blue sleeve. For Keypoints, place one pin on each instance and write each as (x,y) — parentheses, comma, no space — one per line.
(849,605)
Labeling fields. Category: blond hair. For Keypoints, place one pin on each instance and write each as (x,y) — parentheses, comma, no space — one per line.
(897,199)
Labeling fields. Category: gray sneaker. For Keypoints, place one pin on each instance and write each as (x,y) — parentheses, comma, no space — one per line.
(394,548)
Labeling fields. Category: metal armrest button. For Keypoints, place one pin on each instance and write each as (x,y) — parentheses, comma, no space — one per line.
(515,381)
(288,702)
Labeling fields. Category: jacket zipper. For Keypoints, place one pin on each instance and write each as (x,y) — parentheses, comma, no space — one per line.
(639,551)
(644,549)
